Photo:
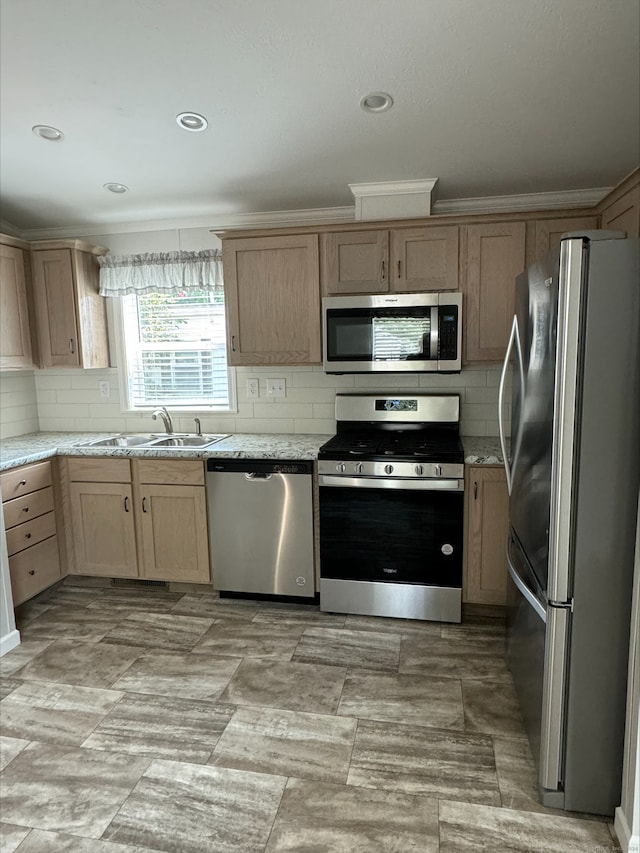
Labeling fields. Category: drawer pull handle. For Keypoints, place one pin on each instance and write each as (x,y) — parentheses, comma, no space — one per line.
(27,536)
(126,503)
(72,347)
(32,571)
(475,490)
(399,273)
(23,482)
(144,504)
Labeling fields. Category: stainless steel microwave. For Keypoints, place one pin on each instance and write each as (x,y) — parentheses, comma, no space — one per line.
(392,333)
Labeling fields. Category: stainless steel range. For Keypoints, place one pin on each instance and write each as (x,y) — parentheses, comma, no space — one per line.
(391,507)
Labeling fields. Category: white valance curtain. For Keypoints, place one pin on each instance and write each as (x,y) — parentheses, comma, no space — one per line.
(160,272)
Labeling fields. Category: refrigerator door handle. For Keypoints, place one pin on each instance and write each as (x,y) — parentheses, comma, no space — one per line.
(514,338)
(553,698)
(528,594)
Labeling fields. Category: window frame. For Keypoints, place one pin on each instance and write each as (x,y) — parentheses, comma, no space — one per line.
(126,407)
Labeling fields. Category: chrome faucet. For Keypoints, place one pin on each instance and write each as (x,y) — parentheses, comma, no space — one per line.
(166,418)
(198,426)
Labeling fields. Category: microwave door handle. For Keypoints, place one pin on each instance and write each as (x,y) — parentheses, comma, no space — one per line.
(434,331)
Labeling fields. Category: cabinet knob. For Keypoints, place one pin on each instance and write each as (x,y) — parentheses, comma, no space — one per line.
(383,271)
(233,343)
(25,509)
(32,571)
(144,504)
(399,273)
(126,503)
(72,346)
(23,482)
(27,536)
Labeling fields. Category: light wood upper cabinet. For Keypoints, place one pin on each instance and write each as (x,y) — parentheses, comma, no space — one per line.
(401,260)
(272,292)
(71,316)
(623,213)
(495,255)
(424,258)
(486,527)
(355,262)
(549,231)
(15,329)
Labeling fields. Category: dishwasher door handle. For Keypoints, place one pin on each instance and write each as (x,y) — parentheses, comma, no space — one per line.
(257,478)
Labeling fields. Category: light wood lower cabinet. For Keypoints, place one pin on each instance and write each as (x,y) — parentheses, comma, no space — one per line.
(486,527)
(30,522)
(103,529)
(139,518)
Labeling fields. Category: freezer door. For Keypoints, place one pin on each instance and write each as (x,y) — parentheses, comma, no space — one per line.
(533,373)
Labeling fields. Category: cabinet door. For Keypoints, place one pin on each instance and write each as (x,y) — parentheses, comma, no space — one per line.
(273,300)
(494,256)
(549,231)
(103,529)
(355,262)
(624,214)
(172,522)
(55,308)
(15,334)
(424,258)
(487,521)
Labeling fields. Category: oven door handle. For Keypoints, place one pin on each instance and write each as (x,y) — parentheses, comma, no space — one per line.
(390,483)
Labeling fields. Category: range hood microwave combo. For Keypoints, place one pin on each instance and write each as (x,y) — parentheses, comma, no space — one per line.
(392,333)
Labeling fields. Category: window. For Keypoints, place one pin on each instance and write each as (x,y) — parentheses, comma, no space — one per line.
(174,351)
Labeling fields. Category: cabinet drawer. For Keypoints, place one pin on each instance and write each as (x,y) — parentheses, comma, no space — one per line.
(34,569)
(27,507)
(170,472)
(31,532)
(20,481)
(93,470)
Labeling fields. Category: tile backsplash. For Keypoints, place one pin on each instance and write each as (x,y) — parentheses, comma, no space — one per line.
(18,403)
(69,400)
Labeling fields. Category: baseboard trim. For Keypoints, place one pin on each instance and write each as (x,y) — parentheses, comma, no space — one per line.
(9,641)
(628,843)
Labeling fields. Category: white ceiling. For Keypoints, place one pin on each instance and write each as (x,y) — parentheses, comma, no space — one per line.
(491,96)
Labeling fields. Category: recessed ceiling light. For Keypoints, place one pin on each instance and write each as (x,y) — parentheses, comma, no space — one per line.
(45,131)
(376,102)
(192,121)
(116,188)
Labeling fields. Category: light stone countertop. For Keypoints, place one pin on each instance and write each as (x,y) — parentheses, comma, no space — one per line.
(34,447)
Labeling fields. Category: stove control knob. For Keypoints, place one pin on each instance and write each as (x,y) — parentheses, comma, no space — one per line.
(388,469)
(419,470)
(358,468)
(437,469)
(341,467)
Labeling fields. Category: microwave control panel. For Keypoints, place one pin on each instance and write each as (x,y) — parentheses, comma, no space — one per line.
(448,333)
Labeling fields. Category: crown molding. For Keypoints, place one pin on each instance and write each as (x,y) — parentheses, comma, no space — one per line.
(523,202)
(315,216)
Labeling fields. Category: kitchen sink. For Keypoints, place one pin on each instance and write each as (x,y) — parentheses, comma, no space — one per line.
(124,440)
(185,440)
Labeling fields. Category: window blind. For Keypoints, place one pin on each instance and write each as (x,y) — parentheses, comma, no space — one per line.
(176,349)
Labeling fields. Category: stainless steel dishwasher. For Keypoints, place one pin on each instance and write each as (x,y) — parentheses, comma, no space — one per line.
(261,527)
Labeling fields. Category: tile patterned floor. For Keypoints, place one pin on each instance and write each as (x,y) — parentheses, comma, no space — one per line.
(144,720)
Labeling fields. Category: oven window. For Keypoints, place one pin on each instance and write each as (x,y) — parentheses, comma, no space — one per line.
(391,535)
(355,334)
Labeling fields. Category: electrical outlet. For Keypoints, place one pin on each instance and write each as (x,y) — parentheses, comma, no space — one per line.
(105,390)
(253,388)
(276,388)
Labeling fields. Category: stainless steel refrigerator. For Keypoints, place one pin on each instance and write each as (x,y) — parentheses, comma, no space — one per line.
(573,472)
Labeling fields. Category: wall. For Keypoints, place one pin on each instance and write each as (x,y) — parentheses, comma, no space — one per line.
(69,400)
(18,403)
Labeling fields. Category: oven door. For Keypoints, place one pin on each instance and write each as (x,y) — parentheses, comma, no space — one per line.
(391,530)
